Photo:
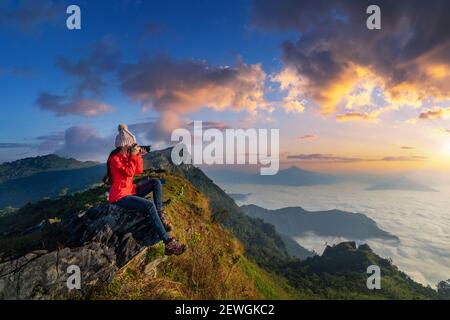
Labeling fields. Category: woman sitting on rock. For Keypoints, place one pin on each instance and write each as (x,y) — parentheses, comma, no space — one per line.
(125,162)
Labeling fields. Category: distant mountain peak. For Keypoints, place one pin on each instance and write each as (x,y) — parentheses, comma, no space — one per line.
(402,183)
(46,157)
(294,168)
(64,230)
(292,176)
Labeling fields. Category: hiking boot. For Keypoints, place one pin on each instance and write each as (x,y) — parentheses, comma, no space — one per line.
(167,202)
(174,247)
(165,220)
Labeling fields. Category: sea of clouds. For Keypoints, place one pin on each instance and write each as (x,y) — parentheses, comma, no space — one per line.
(420,219)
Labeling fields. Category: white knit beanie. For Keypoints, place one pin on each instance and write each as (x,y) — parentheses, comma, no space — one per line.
(124,138)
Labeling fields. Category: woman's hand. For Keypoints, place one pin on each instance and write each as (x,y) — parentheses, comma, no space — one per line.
(143,151)
(136,150)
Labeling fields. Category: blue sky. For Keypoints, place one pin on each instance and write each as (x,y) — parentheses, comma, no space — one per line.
(214,31)
(309,68)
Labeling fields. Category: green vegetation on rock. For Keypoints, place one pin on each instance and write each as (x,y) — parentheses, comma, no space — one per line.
(230,255)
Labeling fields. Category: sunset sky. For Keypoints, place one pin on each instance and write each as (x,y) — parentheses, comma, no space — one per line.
(345,98)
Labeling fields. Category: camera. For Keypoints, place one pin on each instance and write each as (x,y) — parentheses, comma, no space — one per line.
(146,148)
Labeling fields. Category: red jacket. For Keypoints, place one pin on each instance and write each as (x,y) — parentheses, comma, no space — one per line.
(123,167)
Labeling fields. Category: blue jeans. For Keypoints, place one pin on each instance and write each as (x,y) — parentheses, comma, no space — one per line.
(138,202)
(151,185)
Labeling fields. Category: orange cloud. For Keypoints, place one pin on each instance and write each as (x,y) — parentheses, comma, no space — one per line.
(438,113)
(409,60)
(181,87)
(438,71)
(330,96)
(320,157)
(290,83)
(308,137)
(354,116)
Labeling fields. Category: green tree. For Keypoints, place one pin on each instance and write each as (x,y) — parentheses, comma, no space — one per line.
(443,288)
(63,192)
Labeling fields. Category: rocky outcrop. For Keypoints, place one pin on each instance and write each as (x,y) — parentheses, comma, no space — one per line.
(98,241)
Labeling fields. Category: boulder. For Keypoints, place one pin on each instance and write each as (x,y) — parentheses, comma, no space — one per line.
(98,241)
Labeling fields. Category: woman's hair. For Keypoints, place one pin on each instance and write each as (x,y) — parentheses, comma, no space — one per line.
(107,178)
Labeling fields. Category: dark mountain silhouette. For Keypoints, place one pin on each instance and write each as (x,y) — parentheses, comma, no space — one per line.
(230,255)
(31,179)
(295,222)
(225,210)
(19,191)
(293,176)
(341,273)
(109,245)
(29,166)
(402,183)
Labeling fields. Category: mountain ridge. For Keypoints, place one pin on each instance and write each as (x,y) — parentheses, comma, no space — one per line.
(296,221)
(19,191)
(107,243)
(28,166)
(293,176)
(257,260)
(216,267)
(401,183)
(225,210)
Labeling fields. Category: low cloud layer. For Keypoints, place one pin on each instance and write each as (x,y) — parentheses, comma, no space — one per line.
(308,137)
(85,143)
(404,158)
(320,157)
(211,125)
(323,157)
(80,142)
(13,145)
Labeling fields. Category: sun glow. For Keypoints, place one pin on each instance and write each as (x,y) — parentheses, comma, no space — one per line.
(446,147)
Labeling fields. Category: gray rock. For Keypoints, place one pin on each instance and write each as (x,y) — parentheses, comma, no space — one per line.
(99,241)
